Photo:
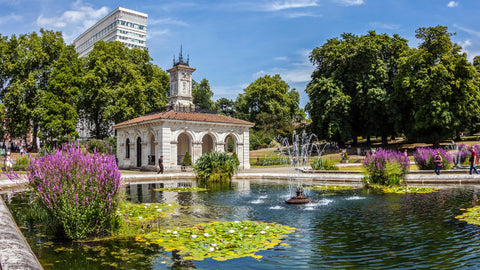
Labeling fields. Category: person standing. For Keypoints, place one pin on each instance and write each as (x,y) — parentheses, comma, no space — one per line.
(8,162)
(160,165)
(473,161)
(438,163)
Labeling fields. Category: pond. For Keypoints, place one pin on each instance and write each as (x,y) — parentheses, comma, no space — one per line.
(351,229)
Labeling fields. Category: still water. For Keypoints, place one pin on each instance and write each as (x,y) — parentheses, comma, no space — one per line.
(344,230)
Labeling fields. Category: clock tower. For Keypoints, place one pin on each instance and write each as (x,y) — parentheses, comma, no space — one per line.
(180,98)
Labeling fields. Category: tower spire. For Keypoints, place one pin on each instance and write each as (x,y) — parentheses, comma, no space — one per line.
(180,59)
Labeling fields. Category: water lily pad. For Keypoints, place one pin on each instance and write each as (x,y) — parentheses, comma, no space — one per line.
(221,240)
(471,216)
(405,189)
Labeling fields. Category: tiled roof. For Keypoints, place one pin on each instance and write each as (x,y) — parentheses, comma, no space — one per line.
(198,117)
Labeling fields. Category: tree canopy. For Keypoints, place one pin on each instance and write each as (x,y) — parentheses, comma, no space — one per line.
(270,104)
(352,84)
(375,85)
(45,87)
(202,95)
(438,88)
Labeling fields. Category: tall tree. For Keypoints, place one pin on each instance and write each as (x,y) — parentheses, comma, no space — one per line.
(476,63)
(59,101)
(438,88)
(202,95)
(270,104)
(116,84)
(31,65)
(225,106)
(359,69)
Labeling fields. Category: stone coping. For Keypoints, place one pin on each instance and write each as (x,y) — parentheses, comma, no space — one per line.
(15,253)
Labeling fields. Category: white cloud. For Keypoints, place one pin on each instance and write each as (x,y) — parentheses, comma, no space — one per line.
(452,4)
(468,30)
(166,21)
(152,33)
(294,15)
(231,92)
(296,72)
(10,18)
(259,74)
(73,22)
(381,25)
(349,2)
(282,5)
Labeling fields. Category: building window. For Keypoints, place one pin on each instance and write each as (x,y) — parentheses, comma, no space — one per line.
(127,148)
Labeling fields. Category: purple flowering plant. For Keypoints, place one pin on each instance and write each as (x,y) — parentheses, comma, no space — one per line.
(79,190)
(423,157)
(386,167)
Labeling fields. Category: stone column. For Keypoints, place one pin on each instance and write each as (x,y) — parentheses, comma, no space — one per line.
(246,148)
(197,151)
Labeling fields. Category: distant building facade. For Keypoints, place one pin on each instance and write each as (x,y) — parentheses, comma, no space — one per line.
(124,25)
(181,128)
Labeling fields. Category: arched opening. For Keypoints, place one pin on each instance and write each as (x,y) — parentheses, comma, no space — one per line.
(139,152)
(182,147)
(127,148)
(230,144)
(151,155)
(207,144)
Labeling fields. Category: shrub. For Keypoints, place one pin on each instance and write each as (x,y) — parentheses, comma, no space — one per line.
(21,163)
(79,190)
(235,158)
(215,167)
(323,164)
(424,158)
(187,160)
(99,146)
(386,167)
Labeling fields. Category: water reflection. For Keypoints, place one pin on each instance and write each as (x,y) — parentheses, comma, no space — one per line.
(348,229)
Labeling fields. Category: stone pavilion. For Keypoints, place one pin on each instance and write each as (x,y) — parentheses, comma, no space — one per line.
(178,129)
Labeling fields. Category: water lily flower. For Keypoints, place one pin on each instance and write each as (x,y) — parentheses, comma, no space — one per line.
(231,231)
(159,210)
(168,231)
(140,217)
(211,249)
(214,245)
(206,234)
(262,232)
(268,227)
(236,221)
(194,236)
(175,232)
(169,204)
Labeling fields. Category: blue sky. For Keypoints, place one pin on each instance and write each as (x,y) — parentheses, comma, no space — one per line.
(232,43)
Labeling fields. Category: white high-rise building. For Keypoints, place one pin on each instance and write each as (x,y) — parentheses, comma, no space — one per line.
(124,25)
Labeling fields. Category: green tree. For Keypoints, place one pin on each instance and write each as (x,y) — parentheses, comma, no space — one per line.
(359,70)
(119,84)
(476,63)
(438,88)
(270,104)
(59,111)
(28,69)
(226,107)
(202,95)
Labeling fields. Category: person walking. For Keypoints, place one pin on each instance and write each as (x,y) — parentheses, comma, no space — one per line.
(438,163)
(473,161)
(160,165)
